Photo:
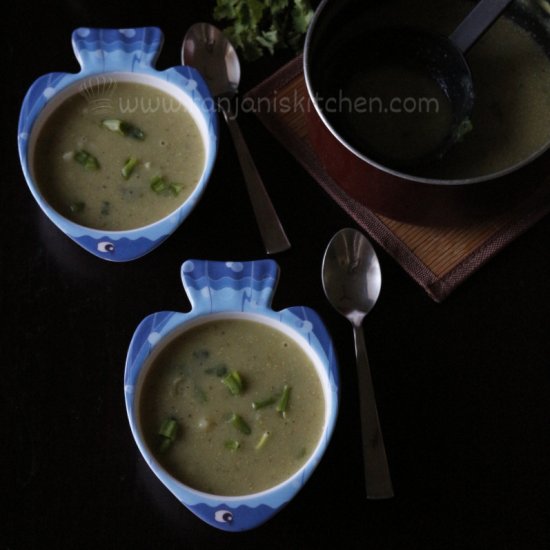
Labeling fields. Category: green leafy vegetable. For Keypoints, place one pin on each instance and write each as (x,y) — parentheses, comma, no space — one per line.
(129,167)
(123,128)
(175,188)
(233,382)
(465,127)
(240,424)
(262,404)
(159,184)
(282,404)
(85,159)
(232,444)
(167,434)
(257,26)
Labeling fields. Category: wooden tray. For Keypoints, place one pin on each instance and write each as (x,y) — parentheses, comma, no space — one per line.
(437,258)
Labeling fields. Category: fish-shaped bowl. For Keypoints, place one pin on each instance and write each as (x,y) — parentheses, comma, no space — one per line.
(233,290)
(109,56)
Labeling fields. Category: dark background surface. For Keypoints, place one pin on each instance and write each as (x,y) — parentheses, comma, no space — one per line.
(463,387)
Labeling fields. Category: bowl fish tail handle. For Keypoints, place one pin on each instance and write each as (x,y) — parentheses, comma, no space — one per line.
(104,50)
(230,286)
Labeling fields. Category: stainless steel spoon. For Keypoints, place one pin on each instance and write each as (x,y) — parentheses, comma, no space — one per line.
(351,281)
(206,49)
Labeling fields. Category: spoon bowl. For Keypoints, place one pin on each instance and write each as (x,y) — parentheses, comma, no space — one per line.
(406,96)
(207,49)
(352,280)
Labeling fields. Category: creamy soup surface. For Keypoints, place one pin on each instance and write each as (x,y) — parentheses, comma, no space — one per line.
(232,407)
(118,155)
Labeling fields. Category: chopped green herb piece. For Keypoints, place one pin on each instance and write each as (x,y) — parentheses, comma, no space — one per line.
(85,159)
(264,403)
(232,444)
(233,382)
(167,433)
(240,424)
(175,188)
(77,207)
(282,404)
(262,441)
(465,127)
(129,167)
(158,184)
(219,370)
(256,26)
(105,208)
(123,128)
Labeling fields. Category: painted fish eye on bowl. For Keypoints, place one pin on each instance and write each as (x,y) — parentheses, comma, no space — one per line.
(118,154)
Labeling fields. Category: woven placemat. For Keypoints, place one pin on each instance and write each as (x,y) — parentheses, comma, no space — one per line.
(437,258)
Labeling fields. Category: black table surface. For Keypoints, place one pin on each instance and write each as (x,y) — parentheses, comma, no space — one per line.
(463,387)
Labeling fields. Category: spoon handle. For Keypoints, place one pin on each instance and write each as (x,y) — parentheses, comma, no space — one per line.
(476,23)
(377,473)
(271,229)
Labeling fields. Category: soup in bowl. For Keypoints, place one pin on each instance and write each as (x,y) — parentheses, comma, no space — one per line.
(118,155)
(232,405)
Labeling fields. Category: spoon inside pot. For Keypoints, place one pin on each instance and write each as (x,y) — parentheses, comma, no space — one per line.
(426,85)
(351,280)
(206,49)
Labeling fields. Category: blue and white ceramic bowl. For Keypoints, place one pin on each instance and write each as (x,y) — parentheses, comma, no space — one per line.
(232,290)
(116,55)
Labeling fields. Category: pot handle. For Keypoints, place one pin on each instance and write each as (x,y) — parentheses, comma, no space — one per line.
(230,286)
(100,50)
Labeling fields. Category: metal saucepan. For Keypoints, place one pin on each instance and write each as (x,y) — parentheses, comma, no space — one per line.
(453,189)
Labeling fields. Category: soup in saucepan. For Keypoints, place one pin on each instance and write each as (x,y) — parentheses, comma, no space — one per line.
(401,115)
(232,407)
(118,155)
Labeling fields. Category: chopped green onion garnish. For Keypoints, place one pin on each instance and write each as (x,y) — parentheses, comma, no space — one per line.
(232,444)
(158,184)
(282,404)
(264,403)
(77,207)
(105,208)
(465,127)
(262,441)
(233,382)
(128,168)
(168,432)
(240,424)
(175,188)
(88,161)
(123,128)
(169,428)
